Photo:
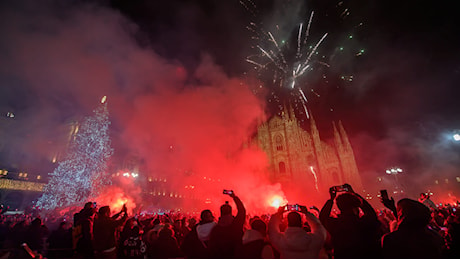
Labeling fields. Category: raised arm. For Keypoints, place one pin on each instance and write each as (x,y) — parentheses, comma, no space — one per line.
(368,210)
(316,227)
(274,232)
(326,210)
(241,214)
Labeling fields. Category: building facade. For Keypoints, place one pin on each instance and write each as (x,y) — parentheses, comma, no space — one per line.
(299,157)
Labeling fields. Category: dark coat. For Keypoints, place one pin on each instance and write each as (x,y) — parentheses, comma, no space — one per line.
(227,234)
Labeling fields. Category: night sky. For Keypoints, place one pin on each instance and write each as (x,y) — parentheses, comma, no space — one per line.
(401,108)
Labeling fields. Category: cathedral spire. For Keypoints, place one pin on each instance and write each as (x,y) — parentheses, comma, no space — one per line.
(285,112)
(313,128)
(343,134)
(351,172)
(337,139)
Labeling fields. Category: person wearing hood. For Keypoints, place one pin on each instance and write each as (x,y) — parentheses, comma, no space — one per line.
(413,238)
(296,242)
(195,244)
(353,235)
(227,234)
(255,242)
(105,226)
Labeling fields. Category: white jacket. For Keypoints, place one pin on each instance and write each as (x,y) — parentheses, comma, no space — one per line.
(295,242)
(204,231)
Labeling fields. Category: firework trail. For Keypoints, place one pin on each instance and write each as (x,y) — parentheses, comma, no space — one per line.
(273,56)
(316,178)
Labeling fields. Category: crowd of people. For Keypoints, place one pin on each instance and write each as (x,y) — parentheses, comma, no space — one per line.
(406,229)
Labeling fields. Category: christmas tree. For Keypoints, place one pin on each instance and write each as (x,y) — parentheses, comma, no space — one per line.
(83,172)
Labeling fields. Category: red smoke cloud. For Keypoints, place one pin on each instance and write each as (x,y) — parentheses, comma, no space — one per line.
(188,126)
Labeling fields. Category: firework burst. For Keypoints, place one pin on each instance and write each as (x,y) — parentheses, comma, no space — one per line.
(286,62)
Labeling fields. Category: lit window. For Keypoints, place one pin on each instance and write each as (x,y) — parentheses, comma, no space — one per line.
(436,182)
(458,179)
(39,177)
(446,180)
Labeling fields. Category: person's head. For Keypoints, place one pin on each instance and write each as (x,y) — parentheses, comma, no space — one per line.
(412,213)
(348,203)
(104,211)
(259,225)
(37,222)
(135,231)
(166,231)
(206,216)
(64,225)
(191,222)
(177,224)
(88,205)
(156,221)
(294,219)
(130,222)
(89,208)
(225,209)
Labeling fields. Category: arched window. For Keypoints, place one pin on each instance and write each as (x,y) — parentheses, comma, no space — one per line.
(282,167)
(279,143)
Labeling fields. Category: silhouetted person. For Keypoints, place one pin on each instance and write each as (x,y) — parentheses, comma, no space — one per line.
(352,235)
(166,245)
(255,242)
(295,241)
(35,235)
(83,231)
(134,246)
(228,232)
(453,225)
(413,238)
(195,244)
(425,199)
(60,242)
(104,231)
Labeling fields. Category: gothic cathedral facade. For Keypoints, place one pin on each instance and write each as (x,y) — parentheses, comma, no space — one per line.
(298,156)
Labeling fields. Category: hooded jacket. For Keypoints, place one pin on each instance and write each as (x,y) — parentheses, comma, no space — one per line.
(204,231)
(413,238)
(195,244)
(254,246)
(295,242)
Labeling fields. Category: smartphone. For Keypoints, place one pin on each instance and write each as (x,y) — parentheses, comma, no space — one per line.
(340,188)
(228,192)
(94,204)
(292,207)
(384,194)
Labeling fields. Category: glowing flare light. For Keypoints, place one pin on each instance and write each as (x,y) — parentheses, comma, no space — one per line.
(277,201)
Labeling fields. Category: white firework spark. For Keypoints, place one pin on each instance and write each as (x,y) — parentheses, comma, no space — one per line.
(273,56)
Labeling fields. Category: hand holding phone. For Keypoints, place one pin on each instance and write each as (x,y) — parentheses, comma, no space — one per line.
(228,192)
(384,194)
(290,207)
(341,188)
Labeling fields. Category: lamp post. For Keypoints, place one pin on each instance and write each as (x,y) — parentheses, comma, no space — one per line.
(395,171)
(456,137)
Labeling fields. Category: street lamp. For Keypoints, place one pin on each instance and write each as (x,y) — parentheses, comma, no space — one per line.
(394,171)
(456,137)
